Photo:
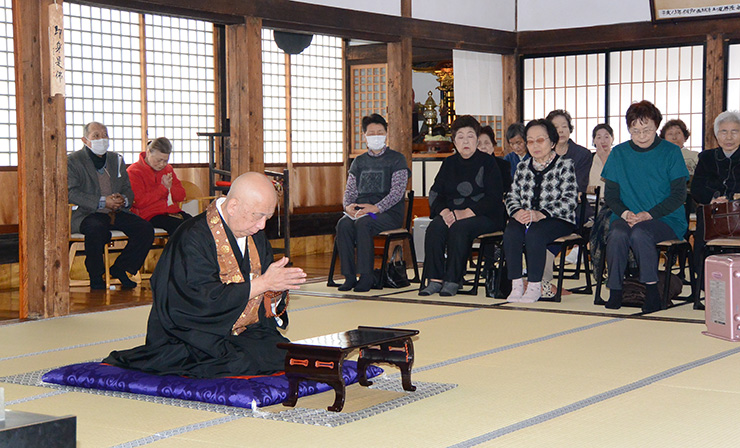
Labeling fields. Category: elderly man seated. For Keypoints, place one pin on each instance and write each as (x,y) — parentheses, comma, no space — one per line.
(99,186)
(218,297)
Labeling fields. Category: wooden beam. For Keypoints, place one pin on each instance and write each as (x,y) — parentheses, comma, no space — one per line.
(406,8)
(623,36)
(244,74)
(299,16)
(42,167)
(378,53)
(399,97)
(512,101)
(347,118)
(143,83)
(714,85)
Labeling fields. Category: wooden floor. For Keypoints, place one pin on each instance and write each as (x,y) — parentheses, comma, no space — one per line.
(84,300)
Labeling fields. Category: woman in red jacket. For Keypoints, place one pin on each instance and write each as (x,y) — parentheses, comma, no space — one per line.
(157,190)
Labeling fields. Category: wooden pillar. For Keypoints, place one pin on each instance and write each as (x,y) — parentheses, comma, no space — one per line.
(714,85)
(512,88)
(244,75)
(42,166)
(399,97)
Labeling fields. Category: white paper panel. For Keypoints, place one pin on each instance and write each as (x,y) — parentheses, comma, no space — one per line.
(536,15)
(478,83)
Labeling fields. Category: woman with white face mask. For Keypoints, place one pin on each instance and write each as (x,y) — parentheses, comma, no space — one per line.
(373,203)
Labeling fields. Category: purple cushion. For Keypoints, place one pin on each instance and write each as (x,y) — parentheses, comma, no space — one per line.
(239,392)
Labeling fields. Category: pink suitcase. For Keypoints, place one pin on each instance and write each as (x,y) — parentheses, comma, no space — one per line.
(722,291)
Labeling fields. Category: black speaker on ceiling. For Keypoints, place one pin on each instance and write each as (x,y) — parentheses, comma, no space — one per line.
(292,43)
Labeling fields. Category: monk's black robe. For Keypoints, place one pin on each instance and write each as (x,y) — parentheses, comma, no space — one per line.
(189,332)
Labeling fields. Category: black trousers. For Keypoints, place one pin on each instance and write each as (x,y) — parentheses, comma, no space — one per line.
(359,234)
(97,227)
(642,239)
(168,222)
(535,239)
(456,241)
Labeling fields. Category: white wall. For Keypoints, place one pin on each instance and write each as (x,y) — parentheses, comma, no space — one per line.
(390,7)
(493,14)
(536,15)
(505,15)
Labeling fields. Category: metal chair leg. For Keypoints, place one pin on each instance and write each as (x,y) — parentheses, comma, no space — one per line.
(670,259)
(561,278)
(416,278)
(600,281)
(334,255)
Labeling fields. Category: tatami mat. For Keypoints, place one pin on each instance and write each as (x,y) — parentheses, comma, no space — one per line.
(492,374)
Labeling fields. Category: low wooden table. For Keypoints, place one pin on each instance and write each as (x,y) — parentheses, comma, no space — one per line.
(320,358)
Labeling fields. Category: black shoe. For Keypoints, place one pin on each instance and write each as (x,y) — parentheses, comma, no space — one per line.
(615,300)
(652,299)
(120,274)
(348,284)
(97,283)
(365,283)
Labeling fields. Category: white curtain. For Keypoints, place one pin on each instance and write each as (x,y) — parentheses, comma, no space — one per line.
(478,83)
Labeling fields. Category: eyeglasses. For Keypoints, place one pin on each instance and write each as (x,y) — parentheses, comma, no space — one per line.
(638,132)
(539,141)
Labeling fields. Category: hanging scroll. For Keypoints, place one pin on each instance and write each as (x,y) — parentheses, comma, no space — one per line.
(56,48)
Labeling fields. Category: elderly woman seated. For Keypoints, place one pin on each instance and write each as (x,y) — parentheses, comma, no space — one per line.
(517,140)
(645,181)
(603,137)
(717,175)
(157,190)
(542,204)
(487,144)
(676,132)
(373,202)
(465,201)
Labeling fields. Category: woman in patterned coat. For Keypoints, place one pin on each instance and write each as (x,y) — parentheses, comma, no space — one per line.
(542,204)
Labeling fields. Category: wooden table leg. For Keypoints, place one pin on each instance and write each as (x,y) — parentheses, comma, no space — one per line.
(292,397)
(305,364)
(339,390)
(399,353)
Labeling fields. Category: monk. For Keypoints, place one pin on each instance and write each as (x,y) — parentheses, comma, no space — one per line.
(219,298)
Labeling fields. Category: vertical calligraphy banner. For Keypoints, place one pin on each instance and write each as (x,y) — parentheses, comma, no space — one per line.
(56,48)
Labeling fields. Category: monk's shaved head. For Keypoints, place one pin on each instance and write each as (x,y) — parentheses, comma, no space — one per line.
(249,204)
(250,187)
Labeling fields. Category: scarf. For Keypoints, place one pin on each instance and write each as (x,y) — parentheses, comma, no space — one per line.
(229,272)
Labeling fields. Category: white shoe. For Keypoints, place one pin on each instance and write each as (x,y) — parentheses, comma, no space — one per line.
(572,257)
(517,289)
(532,294)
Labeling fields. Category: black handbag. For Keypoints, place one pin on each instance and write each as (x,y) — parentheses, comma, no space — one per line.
(395,272)
(498,284)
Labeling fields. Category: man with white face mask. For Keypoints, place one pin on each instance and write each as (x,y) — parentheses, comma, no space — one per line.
(373,203)
(99,186)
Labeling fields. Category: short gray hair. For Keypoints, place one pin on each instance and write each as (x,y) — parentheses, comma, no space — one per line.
(161,144)
(731,116)
(86,128)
